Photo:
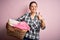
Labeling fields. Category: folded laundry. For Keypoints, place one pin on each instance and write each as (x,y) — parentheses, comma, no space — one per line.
(12,22)
(22,25)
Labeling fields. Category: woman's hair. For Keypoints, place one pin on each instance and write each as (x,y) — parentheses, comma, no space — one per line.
(32,3)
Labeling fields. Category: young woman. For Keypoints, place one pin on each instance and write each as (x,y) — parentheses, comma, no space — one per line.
(34,21)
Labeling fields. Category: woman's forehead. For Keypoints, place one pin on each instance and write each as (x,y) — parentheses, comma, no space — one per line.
(33,4)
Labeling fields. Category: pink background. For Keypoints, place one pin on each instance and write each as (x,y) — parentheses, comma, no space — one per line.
(50,9)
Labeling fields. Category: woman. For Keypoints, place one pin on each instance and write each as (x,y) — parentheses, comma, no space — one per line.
(34,21)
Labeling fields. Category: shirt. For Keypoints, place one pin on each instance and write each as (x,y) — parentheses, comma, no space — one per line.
(34,25)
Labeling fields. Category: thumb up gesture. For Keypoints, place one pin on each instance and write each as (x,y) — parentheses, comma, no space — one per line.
(42,20)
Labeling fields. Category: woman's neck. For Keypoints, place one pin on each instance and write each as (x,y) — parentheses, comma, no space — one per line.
(33,14)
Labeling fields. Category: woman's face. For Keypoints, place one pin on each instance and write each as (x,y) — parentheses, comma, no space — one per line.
(33,7)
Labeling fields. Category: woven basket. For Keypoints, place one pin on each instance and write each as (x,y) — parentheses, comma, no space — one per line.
(15,32)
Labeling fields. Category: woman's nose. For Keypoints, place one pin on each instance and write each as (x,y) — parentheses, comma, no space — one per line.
(33,8)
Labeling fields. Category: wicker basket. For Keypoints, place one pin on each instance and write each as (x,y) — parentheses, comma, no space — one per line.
(15,32)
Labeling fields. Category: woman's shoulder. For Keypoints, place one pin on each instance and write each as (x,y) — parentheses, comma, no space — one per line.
(26,14)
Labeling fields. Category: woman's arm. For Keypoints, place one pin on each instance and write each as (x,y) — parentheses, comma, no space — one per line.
(21,18)
(42,22)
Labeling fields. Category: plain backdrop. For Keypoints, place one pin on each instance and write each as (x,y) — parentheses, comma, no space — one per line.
(49,9)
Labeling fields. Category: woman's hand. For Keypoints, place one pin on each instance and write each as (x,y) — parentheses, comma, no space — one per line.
(39,16)
(42,21)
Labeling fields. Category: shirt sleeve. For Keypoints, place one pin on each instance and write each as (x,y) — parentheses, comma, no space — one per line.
(21,18)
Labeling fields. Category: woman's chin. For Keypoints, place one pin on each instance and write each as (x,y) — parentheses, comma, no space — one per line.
(34,12)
